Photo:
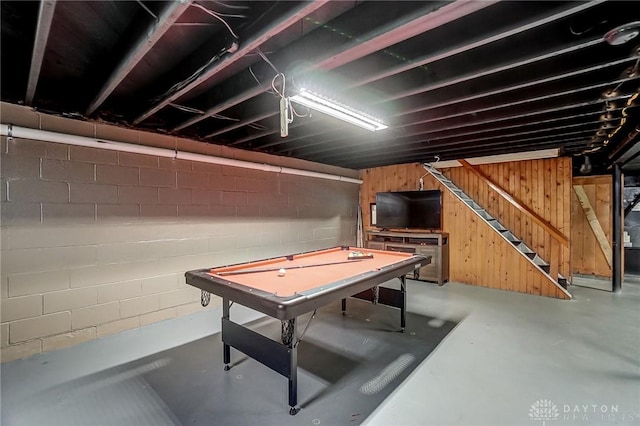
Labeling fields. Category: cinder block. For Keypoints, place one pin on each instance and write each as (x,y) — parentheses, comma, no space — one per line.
(233,171)
(19,213)
(119,291)
(142,160)
(137,195)
(157,316)
(179,297)
(32,190)
(68,339)
(31,148)
(67,171)
(251,184)
(4,287)
(139,306)
(193,180)
(158,211)
(45,325)
(14,167)
(93,193)
(117,175)
(129,252)
(20,115)
(193,211)
(72,213)
(4,189)
(177,196)
(70,299)
(222,243)
(222,212)
(107,274)
(222,182)
(156,285)
(69,126)
(47,259)
(189,247)
(206,197)
(208,168)
(17,308)
(193,307)
(117,212)
(94,315)
(93,155)
(20,351)
(174,164)
(118,326)
(158,177)
(230,198)
(112,132)
(157,140)
(37,282)
(4,335)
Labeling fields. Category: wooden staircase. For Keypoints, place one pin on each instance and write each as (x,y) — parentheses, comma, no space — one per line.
(516,242)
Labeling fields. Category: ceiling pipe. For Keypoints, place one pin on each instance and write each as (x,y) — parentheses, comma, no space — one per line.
(12,131)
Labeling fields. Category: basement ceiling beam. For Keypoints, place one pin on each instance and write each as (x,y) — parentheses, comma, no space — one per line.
(154,32)
(494,70)
(287,21)
(365,46)
(422,24)
(45,17)
(478,43)
(488,93)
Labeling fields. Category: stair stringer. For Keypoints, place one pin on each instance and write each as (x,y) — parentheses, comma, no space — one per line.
(511,269)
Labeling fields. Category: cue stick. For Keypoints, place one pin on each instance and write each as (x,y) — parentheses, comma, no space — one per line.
(277,268)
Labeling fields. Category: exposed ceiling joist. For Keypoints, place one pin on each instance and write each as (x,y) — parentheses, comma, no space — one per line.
(45,16)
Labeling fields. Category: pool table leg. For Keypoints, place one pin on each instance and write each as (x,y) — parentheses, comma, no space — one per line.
(293,369)
(344,306)
(226,349)
(403,308)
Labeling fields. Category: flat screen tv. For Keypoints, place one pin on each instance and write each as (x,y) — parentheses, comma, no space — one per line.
(409,209)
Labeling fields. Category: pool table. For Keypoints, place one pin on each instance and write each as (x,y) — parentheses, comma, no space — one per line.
(289,286)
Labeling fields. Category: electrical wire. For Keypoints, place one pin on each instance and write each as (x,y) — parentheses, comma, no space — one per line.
(197,73)
(230,6)
(218,17)
(186,108)
(263,56)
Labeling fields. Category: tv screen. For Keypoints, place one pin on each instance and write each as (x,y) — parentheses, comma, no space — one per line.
(409,209)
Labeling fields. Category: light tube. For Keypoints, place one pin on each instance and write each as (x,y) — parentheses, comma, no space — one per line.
(318,103)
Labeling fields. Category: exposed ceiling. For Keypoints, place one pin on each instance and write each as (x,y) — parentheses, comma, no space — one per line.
(452,79)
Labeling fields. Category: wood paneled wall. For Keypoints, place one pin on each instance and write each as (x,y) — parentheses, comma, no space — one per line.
(587,257)
(542,185)
(478,255)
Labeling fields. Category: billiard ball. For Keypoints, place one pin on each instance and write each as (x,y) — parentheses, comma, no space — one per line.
(281,272)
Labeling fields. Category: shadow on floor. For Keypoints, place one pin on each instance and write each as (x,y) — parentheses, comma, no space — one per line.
(348,364)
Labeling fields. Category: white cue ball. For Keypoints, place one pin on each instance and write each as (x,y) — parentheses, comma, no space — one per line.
(281,272)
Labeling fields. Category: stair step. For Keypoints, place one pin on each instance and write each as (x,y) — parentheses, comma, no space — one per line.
(526,250)
(484,214)
(495,224)
(509,236)
(562,281)
(542,264)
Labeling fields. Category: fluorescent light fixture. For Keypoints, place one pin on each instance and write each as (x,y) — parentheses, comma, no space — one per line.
(319,103)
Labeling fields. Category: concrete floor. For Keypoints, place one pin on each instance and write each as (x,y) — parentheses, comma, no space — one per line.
(513,359)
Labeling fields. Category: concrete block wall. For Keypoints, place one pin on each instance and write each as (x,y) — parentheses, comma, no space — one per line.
(94,242)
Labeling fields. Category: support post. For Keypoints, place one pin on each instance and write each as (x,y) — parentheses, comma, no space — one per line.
(226,349)
(617,229)
(293,369)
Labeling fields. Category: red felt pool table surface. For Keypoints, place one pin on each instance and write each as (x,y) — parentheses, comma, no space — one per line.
(300,276)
